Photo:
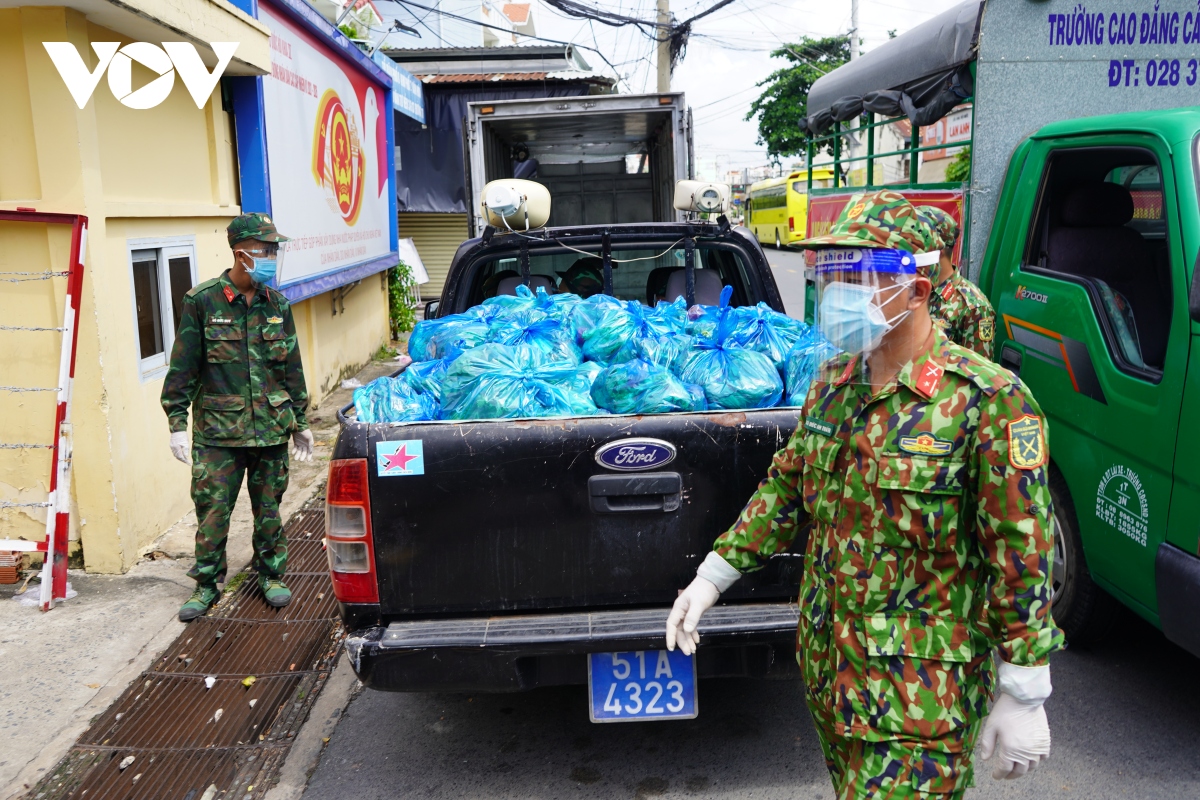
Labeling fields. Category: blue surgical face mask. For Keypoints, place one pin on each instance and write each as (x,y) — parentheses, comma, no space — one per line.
(850,318)
(263,269)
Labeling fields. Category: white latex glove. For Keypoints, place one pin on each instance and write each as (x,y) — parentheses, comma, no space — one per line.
(713,577)
(302,442)
(700,595)
(1016,730)
(179,446)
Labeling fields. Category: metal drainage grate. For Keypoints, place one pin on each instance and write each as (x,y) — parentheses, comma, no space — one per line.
(241,648)
(184,736)
(307,556)
(312,598)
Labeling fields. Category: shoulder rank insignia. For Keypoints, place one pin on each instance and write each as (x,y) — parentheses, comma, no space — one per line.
(229,294)
(924,444)
(1026,443)
(818,425)
(987,329)
(927,381)
(274,320)
(948,290)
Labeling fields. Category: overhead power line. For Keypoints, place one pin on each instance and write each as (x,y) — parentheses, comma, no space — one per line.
(506,30)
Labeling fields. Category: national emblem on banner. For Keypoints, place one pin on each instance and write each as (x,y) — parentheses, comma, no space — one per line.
(338,160)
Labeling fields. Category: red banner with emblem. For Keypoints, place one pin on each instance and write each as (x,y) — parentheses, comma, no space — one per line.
(823,210)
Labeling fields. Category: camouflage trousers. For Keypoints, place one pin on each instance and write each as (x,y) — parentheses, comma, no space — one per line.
(217,474)
(895,769)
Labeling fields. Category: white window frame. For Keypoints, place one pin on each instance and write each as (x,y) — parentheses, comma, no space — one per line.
(169,247)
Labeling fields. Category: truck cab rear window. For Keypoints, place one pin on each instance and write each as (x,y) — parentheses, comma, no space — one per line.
(645,274)
(1101,224)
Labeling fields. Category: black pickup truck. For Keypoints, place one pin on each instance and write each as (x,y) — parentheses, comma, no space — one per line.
(508,550)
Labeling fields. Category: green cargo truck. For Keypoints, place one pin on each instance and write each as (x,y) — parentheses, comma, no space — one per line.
(1081,222)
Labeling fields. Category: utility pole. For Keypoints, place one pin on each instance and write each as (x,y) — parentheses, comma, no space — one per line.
(853,146)
(664,45)
(853,29)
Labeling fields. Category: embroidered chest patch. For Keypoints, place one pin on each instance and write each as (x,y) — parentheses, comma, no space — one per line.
(274,320)
(925,444)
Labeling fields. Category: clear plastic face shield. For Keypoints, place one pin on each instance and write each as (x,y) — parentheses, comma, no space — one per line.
(863,300)
(262,260)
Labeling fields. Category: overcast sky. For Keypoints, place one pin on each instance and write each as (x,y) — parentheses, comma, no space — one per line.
(729,52)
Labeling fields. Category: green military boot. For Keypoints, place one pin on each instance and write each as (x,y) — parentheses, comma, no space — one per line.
(273,589)
(204,598)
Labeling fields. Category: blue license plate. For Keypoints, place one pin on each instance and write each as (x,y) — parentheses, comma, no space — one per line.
(642,685)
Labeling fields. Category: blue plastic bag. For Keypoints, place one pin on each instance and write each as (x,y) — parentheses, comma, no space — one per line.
(555,337)
(577,386)
(432,338)
(804,360)
(558,306)
(620,329)
(393,400)
(702,320)
(732,376)
(764,330)
(425,377)
(669,350)
(639,387)
(498,381)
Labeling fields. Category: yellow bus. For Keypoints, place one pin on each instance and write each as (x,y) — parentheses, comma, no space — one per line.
(777,208)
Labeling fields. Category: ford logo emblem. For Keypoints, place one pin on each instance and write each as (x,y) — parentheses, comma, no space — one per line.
(630,455)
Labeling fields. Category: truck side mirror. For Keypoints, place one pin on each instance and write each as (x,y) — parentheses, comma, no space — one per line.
(431,309)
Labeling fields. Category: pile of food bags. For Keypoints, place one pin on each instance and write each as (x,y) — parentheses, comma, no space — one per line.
(536,354)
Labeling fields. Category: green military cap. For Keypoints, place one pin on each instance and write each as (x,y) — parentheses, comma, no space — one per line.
(946,227)
(253,226)
(585,277)
(882,219)
(931,230)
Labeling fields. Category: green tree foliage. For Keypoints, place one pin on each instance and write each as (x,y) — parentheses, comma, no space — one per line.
(960,168)
(784,101)
(401,299)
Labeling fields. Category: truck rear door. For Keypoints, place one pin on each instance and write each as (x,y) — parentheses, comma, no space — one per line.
(513,515)
(1089,297)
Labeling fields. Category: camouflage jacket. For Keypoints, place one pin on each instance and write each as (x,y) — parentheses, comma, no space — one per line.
(961,309)
(920,499)
(237,366)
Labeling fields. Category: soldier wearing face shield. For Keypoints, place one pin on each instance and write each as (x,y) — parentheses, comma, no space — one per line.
(918,472)
(957,306)
(236,365)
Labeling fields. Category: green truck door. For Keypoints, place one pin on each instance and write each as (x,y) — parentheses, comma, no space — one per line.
(1084,296)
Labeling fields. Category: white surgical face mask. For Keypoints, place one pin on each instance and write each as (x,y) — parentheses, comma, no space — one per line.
(851,319)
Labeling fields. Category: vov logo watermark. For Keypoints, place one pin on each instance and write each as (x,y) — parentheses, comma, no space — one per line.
(165,61)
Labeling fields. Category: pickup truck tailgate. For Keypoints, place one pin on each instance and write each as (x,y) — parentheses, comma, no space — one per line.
(514,515)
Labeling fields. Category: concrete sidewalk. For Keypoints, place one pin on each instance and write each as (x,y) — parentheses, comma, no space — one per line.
(63,668)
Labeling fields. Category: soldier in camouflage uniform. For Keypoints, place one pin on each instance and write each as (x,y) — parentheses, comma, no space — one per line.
(958,307)
(236,365)
(923,495)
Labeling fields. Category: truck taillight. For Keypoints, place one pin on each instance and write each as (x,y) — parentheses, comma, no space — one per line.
(348,532)
(792,224)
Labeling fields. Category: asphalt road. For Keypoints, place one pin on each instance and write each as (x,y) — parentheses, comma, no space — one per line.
(788,266)
(1125,718)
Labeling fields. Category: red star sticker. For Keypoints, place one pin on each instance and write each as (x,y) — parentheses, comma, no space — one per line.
(400,459)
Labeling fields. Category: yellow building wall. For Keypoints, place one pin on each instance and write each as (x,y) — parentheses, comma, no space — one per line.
(161,173)
(164,172)
(336,347)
